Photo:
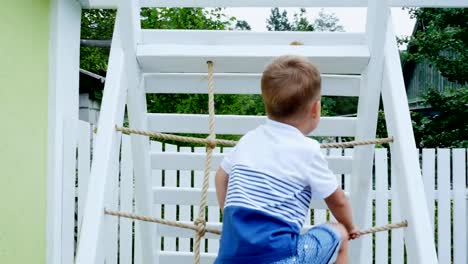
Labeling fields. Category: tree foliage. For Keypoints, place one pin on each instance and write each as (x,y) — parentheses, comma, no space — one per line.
(442,38)
(446,126)
(327,22)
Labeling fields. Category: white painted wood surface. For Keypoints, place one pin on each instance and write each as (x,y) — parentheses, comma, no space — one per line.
(90,248)
(63,85)
(428,169)
(248,58)
(232,83)
(253,38)
(368,107)
(418,236)
(185,181)
(460,218)
(196,161)
(273,3)
(126,202)
(443,212)
(68,189)
(239,125)
(84,167)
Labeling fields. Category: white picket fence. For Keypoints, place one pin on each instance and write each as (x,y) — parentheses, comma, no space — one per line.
(444,172)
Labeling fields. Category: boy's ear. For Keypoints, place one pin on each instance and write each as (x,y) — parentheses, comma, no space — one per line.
(316,108)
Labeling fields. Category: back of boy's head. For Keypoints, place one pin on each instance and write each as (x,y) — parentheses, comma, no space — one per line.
(289,84)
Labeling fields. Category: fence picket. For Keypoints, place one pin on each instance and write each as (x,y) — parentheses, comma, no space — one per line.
(381,202)
(185,180)
(84,166)
(397,244)
(170,211)
(126,202)
(443,202)
(68,189)
(459,207)
(428,171)
(198,182)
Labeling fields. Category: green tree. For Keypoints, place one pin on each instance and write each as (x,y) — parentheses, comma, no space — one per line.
(242,25)
(446,126)
(327,22)
(300,21)
(278,21)
(442,38)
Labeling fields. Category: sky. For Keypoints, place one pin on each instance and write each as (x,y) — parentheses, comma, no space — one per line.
(353,19)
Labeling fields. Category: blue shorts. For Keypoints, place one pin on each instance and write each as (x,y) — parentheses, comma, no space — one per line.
(319,245)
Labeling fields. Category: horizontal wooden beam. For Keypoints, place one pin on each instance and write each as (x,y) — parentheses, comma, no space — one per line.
(191,196)
(196,161)
(175,257)
(244,37)
(273,3)
(239,125)
(225,83)
(171,58)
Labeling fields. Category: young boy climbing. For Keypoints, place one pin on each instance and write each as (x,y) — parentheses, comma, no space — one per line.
(265,184)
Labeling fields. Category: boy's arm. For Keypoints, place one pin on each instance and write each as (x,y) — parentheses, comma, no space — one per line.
(341,210)
(221,183)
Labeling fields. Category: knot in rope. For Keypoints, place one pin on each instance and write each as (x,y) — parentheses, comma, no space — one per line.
(211,142)
(201,226)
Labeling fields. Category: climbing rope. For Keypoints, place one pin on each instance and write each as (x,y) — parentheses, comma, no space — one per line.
(218,232)
(230,143)
(211,142)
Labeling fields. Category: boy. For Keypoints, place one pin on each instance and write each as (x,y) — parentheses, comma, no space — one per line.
(266,183)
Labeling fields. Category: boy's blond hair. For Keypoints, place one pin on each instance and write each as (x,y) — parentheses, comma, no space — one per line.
(289,84)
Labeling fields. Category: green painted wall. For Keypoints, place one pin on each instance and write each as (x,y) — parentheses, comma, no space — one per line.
(24,40)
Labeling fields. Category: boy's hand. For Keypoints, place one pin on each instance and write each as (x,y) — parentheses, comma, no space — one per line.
(354,233)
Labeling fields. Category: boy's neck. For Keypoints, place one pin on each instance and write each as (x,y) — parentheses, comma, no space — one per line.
(299,124)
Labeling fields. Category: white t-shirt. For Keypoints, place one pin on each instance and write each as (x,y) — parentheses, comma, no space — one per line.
(274,172)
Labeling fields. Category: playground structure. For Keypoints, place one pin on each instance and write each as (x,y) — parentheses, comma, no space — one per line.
(364,65)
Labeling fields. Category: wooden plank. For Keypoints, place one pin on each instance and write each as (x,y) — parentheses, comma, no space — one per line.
(248,58)
(239,125)
(63,88)
(226,83)
(298,3)
(443,208)
(157,180)
(459,207)
(397,244)
(196,161)
(185,181)
(254,38)
(213,211)
(170,210)
(381,202)
(268,3)
(126,202)
(368,106)
(197,184)
(184,257)
(107,140)
(191,196)
(428,163)
(111,229)
(418,236)
(84,166)
(68,189)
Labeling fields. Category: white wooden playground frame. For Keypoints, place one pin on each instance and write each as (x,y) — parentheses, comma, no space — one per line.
(363,65)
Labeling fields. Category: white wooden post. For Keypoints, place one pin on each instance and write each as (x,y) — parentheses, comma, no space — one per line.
(64,46)
(418,235)
(368,107)
(90,246)
(136,106)
(459,207)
